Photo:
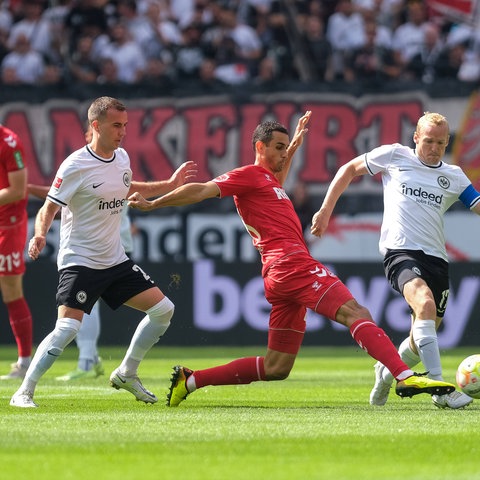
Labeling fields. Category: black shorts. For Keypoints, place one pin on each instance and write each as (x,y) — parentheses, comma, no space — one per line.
(401,266)
(80,287)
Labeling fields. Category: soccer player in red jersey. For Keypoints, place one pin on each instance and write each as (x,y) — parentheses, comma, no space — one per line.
(13,236)
(293,279)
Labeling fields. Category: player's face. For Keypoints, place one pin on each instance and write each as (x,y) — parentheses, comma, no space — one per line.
(432,141)
(112,129)
(276,152)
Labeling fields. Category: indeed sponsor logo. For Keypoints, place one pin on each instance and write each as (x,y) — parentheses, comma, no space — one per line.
(420,193)
(111,204)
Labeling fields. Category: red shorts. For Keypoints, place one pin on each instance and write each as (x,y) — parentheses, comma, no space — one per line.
(292,285)
(12,246)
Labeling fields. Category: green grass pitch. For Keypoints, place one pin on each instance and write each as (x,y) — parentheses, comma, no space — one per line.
(317,424)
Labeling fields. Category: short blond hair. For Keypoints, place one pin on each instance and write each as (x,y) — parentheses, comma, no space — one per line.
(429,118)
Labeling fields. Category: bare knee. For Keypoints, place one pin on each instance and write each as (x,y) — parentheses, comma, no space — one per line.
(352,311)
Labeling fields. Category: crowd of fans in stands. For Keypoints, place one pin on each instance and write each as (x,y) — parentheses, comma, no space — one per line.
(216,43)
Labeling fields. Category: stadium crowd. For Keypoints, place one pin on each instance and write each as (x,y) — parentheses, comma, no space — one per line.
(223,43)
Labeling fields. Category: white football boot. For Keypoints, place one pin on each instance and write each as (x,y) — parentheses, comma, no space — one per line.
(381,389)
(454,400)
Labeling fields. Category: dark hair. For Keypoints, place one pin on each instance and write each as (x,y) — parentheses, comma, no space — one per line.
(100,106)
(264,132)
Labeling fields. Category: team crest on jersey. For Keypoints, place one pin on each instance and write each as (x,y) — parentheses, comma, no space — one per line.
(57,182)
(10,141)
(126,179)
(222,178)
(81,296)
(444,182)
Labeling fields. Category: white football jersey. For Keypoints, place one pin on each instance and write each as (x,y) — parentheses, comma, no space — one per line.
(92,191)
(415,197)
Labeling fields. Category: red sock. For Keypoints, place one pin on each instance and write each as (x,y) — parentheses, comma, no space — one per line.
(21,323)
(240,371)
(378,345)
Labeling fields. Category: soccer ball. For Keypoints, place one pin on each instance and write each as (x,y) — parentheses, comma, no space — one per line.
(468,376)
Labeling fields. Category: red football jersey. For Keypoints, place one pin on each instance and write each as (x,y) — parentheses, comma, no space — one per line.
(265,210)
(11,159)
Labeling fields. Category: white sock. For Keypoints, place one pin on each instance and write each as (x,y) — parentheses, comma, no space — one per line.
(425,338)
(24,361)
(407,355)
(49,349)
(87,338)
(147,334)
(190,383)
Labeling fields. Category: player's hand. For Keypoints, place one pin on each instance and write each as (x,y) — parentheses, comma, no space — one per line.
(319,223)
(136,200)
(35,246)
(300,131)
(186,172)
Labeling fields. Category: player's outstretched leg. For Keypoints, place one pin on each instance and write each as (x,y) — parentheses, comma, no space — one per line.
(178,386)
(420,383)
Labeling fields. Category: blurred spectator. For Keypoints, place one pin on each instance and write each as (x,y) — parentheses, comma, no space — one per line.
(470,68)
(449,61)
(108,72)
(22,65)
(182,12)
(389,13)
(267,73)
(157,74)
(160,33)
(55,15)
(6,18)
(238,39)
(408,38)
(383,37)
(345,32)
(190,54)
(317,48)
(34,28)
(126,54)
(371,63)
(422,65)
(231,69)
(86,17)
(3,43)
(207,81)
(82,67)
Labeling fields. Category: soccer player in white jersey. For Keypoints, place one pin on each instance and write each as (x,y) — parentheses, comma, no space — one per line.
(91,187)
(418,189)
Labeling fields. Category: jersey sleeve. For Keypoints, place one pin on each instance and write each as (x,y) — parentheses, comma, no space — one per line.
(235,182)
(66,183)
(12,153)
(378,159)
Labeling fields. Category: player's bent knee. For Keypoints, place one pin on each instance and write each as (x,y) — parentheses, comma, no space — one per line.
(162,312)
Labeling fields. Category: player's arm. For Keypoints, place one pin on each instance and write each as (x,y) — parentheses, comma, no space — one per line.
(296,141)
(39,191)
(184,195)
(339,184)
(186,172)
(43,222)
(16,189)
